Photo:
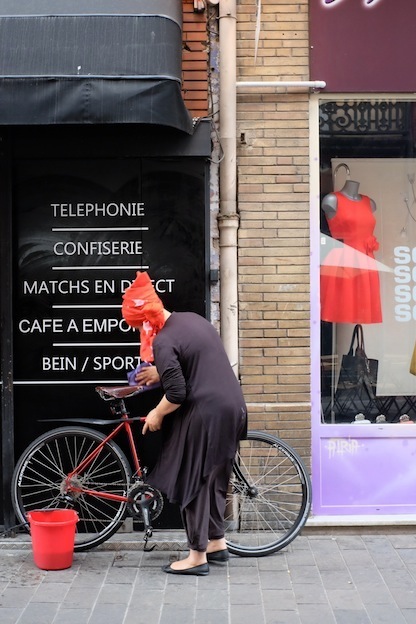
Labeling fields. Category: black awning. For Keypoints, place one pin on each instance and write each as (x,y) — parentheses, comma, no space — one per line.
(108,61)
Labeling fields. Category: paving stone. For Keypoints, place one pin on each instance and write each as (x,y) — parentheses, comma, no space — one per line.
(211,616)
(72,616)
(62,576)
(375,595)
(108,614)
(81,597)
(316,614)
(184,596)
(113,593)
(385,614)
(398,578)
(409,615)
(245,576)
(146,599)
(350,542)
(405,597)
(336,579)
(276,561)
(149,615)
(50,592)
(365,578)
(279,599)
(246,614)
(310,594)
(301,557)
(305,574)
(351,616)
(359,558)
(407,555)
(344,599)
(13,596)
(275,579)
(242,595)
(205,599)
(173,614)
(89,578)
(39,613)
(123,575)
(9,615)
(330,561)
(282,617)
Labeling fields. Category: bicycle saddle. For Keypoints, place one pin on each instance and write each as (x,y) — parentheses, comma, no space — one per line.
(118,392)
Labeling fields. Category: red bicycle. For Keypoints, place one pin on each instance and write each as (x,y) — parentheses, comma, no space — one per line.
(79,467)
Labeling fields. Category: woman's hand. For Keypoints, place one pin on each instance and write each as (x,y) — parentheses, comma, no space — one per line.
(155,417)
(147,376)
(154,421)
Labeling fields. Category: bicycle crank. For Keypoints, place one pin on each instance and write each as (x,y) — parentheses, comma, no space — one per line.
(145,503)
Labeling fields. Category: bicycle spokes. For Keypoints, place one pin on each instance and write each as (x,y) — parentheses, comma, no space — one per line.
(269,496)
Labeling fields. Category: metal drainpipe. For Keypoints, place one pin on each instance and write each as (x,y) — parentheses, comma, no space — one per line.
(228,219)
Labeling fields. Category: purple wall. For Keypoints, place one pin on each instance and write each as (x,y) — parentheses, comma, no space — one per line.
(363,45)
(364,469)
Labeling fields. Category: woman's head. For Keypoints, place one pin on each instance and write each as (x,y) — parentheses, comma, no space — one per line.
(143,310)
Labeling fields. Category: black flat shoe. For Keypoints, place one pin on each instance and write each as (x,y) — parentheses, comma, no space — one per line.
(201,570)
(219,556)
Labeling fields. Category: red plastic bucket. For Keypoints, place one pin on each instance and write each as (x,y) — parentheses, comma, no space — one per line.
(53,536)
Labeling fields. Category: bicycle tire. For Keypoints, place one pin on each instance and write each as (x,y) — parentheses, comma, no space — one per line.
(269,496)
(39,474)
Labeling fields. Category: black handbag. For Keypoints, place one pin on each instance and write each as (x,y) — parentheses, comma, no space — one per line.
(357,382)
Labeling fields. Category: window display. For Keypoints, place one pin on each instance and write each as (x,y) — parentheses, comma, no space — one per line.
(368,263)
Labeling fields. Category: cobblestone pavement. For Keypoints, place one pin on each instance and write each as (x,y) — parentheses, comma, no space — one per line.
(318,579)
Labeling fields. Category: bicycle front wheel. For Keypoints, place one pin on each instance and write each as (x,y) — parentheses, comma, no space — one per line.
(269,496)
(39,481)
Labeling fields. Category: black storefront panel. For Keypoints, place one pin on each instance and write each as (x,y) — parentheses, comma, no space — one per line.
(81,228)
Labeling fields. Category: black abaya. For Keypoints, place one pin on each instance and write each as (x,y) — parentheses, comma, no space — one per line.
(204,432)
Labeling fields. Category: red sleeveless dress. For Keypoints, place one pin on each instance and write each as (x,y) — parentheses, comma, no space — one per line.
(350,284)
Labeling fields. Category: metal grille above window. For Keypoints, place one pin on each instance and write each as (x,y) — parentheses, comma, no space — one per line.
(364,117)
(380,129)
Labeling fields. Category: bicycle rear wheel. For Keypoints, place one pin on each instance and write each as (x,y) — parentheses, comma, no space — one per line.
(39,481)
(269,496)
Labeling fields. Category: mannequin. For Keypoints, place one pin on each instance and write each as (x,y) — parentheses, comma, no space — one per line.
(350,190)
(350,287)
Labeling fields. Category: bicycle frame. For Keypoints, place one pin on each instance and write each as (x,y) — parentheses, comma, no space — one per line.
(118,408)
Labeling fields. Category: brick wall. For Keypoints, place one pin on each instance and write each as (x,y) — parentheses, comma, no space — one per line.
(273,201)
(195,60)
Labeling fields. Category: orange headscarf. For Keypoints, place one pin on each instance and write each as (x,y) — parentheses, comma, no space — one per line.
(142,308)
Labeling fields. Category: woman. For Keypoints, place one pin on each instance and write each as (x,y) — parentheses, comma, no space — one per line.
(202,415)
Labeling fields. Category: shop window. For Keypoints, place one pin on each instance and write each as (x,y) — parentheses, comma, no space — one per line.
(368,261)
